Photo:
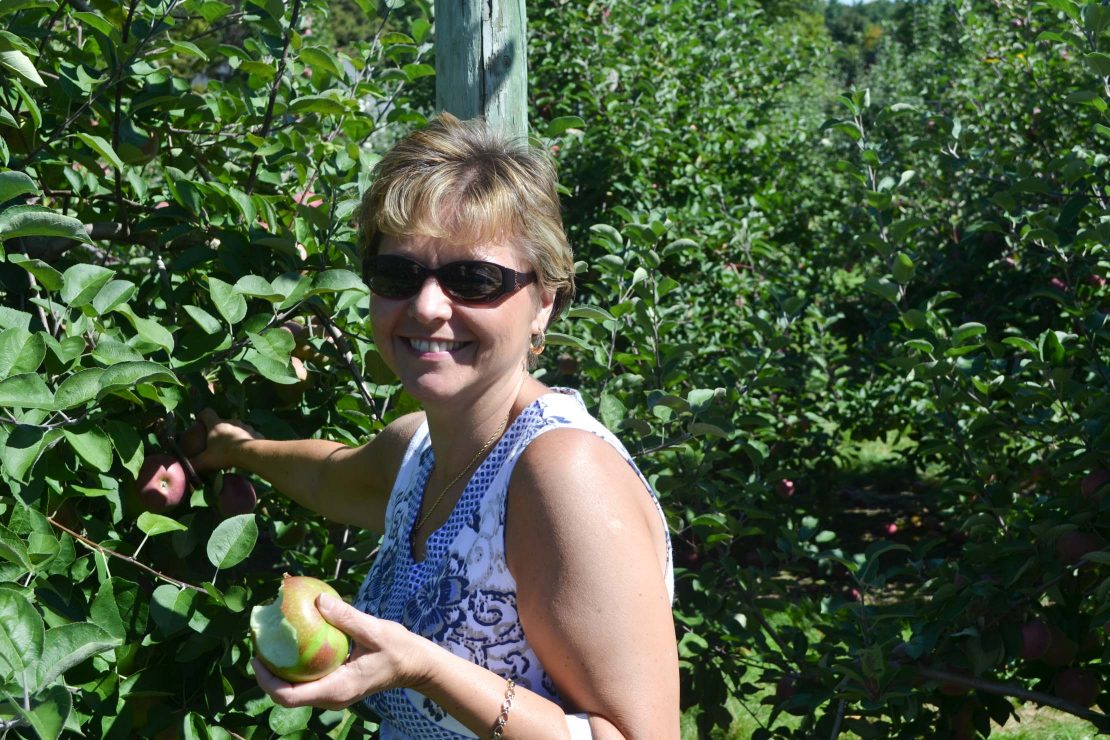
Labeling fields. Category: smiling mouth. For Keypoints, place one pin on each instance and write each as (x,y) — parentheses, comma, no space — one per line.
(427,345)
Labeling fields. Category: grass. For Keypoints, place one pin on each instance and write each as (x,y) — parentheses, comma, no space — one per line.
(1034,723)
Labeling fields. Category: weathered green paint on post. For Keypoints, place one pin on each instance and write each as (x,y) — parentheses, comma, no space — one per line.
(482,62)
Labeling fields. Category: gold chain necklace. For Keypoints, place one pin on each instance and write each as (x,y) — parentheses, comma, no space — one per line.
(424,519)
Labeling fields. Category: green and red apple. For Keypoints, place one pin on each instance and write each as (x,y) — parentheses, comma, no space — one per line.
(292,638)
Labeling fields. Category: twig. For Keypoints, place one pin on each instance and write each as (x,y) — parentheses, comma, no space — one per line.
(1099,720)
(344,348)
(268,120)
(108,551)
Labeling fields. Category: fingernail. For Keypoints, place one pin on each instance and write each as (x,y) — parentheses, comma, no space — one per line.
(327,601)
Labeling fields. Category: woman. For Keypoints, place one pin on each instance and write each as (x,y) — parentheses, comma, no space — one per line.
(523,585)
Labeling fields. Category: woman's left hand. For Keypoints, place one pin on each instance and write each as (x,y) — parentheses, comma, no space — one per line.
(385,655)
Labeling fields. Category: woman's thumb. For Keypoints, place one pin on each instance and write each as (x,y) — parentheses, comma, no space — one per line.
(340,614)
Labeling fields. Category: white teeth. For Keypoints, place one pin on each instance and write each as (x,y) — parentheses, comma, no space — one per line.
(424,345)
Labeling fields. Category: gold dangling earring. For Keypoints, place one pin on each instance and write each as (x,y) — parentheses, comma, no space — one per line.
(538,343)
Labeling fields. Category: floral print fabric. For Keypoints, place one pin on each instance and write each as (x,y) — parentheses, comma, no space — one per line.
(461,595)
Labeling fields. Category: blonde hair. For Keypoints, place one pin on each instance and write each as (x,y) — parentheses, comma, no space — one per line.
(460,179)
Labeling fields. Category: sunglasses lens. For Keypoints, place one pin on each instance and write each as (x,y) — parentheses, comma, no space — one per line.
(473,281)
(394,277)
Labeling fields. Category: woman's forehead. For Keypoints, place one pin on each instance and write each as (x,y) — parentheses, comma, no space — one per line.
(433,250)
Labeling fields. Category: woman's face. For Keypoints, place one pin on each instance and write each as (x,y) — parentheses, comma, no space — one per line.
(445,350)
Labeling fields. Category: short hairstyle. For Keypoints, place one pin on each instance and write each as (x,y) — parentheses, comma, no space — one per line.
(462,179)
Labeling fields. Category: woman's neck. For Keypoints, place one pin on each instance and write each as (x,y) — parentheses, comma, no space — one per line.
(458,430)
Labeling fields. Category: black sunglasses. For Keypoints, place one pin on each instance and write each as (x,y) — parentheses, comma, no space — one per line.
(469,281)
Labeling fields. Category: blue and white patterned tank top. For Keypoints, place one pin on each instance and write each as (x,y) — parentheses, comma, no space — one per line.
(462,596)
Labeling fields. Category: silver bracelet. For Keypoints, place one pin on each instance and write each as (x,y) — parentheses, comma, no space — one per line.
(503,718)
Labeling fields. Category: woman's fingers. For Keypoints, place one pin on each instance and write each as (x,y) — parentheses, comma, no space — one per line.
(337,690)
(224,436)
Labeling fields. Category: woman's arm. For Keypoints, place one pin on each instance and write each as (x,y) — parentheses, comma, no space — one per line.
(586,547)
(348,485)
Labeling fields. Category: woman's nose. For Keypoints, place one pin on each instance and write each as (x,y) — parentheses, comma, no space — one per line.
(431,303)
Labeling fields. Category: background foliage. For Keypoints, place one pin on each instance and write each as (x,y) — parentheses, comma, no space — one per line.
(843,276)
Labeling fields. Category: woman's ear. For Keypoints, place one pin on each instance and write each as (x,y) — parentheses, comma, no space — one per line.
(543,312)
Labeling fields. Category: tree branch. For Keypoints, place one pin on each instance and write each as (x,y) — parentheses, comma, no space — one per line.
(1099,720)
(269,118)
(344,349)
(108,551)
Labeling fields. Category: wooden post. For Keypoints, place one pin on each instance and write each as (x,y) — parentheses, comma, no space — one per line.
(482,62)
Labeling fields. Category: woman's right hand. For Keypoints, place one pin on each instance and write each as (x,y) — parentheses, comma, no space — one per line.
(223,442)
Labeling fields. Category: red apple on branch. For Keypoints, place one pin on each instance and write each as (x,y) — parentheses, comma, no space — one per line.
(1078,685)
(236,496)
(161,483)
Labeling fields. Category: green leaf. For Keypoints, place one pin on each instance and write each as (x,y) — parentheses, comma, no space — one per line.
(98,22)
(114,294)
(606,235)
(149,330)
(81,283)
(261,70)
(50,712)
(18,64)
(103,148)
(23,221)
(153,525)
(127,443)
(883,288)
(229,302)
(244,204)
(93,445)
(171,607)
(322,104)
(286,721)
(967,331)
(69,645)
(130,374)
(1051,349)
(612,411)
(1023,344)
(590,312)
(14,550)
(14,184)
(21,638)
(416,71)
(22,448)
(920,345)
(555,338)
(1099,63)
(321,59)
(47,276)
(187,48)
(208,323)
(334,281)
(20,352)
(78,389)
(902,268)
(232,541)
(559,126)
(7,7)
(277,344)
(258,287)
(26,391)
(700,399)
(116,608)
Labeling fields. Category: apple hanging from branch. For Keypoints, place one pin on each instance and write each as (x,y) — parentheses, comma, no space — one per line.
(160,484)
